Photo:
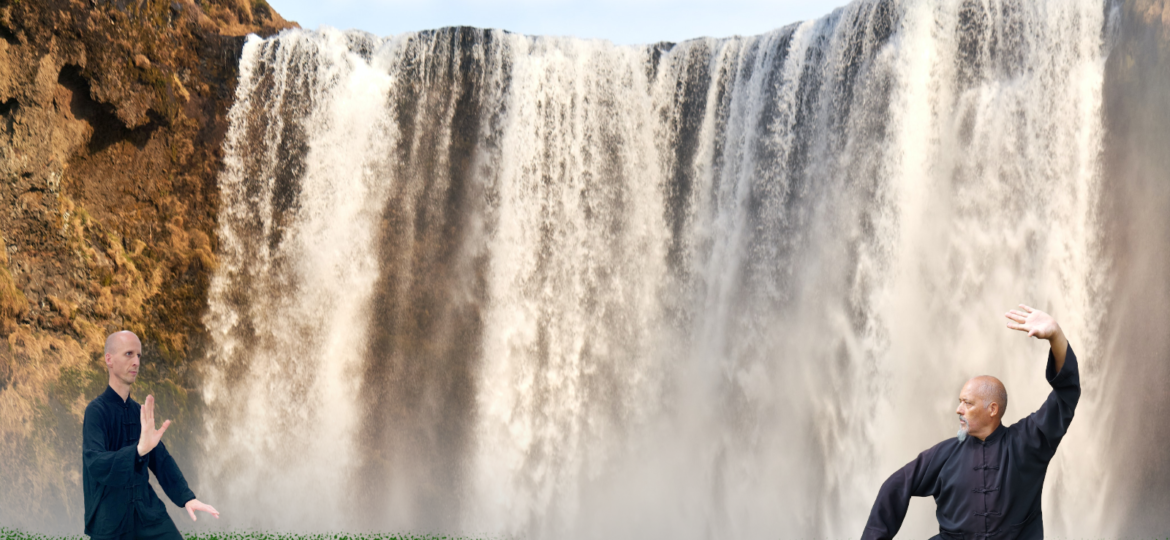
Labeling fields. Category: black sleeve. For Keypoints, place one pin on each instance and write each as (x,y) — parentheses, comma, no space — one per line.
(169,476)
(1043,429)
(108,467)
(918,478)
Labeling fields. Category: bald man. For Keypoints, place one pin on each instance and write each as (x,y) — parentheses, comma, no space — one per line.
(120,443)
(987,481)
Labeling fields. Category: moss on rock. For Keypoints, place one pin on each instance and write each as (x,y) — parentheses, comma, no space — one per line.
(112,116)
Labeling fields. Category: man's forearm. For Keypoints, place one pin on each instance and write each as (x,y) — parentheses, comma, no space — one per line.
(1059,347)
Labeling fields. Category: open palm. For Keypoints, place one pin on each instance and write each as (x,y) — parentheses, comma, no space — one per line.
(150,436)
(1040,325)
(1036,323)
(194,504)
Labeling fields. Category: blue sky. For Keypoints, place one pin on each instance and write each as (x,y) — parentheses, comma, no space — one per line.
(621,21)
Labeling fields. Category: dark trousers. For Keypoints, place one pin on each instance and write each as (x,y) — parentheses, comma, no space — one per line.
(141,529)
(159,529)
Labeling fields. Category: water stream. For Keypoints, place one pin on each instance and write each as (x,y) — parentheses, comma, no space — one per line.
(487,283)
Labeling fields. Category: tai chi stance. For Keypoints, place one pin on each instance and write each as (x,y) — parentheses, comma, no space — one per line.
(120,443)
(987,480)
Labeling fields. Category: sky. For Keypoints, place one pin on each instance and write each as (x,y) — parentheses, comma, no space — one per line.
(625,22)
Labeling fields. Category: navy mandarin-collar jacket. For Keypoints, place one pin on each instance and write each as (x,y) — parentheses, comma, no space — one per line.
(987,489)
(115,477)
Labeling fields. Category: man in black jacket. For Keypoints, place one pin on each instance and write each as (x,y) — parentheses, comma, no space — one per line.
(987,480)
(119,445)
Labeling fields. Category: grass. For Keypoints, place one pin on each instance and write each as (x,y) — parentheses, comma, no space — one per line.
(253,535)
(12,534)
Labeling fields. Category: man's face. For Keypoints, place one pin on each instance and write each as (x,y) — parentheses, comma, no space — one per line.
(974,415)
(124,357)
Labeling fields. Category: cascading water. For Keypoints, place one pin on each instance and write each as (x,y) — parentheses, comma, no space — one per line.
(483,282)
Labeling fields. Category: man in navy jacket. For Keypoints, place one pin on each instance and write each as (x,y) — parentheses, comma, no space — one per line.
(119,445)
(987,480)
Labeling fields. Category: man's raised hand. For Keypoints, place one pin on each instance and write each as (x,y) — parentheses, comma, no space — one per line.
(1040,325)
(194,504)
(150,436)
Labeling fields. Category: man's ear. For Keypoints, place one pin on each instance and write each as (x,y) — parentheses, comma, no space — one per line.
(108,363)
(994,409)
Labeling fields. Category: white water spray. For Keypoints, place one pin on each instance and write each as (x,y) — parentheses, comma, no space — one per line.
(490,283)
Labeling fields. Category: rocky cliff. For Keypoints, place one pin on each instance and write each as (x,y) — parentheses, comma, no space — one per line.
(113,114)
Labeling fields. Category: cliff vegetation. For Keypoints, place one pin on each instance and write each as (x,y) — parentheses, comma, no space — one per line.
(112,114)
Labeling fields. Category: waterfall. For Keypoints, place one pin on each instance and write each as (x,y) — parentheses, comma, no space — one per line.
(480,282)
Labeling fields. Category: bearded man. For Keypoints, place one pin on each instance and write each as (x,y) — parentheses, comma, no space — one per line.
(120,443)
(987,481)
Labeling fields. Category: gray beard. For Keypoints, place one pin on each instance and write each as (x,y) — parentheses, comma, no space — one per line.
(962,435)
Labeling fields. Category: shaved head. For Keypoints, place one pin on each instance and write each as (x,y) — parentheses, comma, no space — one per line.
(991,390)
(977,414)
(113,340)
(123,358)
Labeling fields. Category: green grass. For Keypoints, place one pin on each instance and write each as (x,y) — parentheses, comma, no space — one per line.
(253,535)
(12,534)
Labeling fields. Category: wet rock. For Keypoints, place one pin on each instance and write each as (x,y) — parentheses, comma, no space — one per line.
(1136,207)
(112,115)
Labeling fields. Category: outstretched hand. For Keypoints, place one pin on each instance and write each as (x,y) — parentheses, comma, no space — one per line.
(150,436)
(194,504)
(1039,325)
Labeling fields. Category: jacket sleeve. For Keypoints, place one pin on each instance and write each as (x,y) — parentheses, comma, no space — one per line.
(919,478)
(108,467)
(169,476)
(1043,429)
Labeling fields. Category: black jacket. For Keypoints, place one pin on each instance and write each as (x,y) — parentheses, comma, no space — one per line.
(986,489)
(115,477)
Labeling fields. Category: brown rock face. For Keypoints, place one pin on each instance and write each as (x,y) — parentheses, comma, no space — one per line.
(112,114)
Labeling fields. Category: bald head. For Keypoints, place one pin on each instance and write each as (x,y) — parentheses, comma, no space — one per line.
(115,341)
(123,355)
(981,405)
(991,390)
